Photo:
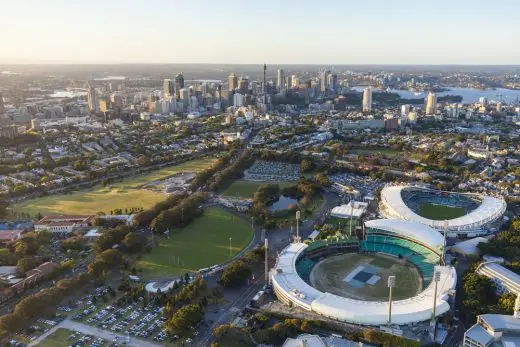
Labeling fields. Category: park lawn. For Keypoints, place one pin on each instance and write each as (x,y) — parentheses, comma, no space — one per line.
(58,339)
(123,194)
(440,212)
(246,189)
(201,244)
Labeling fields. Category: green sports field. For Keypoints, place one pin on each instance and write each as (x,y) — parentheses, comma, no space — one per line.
(440,212)
(203,243)
(123,194)
(246,189)
(329,276)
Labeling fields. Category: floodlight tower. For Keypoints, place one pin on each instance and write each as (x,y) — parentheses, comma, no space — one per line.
(297,226)
(391,284)
(266,266)
(444,244)
(433,325)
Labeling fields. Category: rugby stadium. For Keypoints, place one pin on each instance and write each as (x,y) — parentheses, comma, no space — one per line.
(346,279)
(460,214)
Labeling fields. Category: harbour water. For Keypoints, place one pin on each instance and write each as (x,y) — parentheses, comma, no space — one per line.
(469,95)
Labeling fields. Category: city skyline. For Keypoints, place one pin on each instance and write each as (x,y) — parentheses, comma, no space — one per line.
(304,32)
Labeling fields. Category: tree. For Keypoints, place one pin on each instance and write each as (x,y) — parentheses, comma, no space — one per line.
(184,319)
(27,263)
(306,166)
(235,274)
(134,242)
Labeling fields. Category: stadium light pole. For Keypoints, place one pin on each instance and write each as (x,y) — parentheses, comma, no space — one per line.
(444,244)
(436,278)
(266,266)
(297,227)
(230,251)
(391,284)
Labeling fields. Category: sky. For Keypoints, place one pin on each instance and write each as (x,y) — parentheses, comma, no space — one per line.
(254,32)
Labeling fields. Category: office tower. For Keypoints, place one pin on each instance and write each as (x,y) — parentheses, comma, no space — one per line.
(499,106)
(324,80)
(2,107)
(264,89)
(412,117)
(168,88)
(482,100)
(431,104)
(103,107)
(116,99)
(238,100)
(332,81)
(92,100)
(288,82)
(243,85)
(178,84)
(367,99)
(405,109)
(233,81)
(280,81)
(295,81)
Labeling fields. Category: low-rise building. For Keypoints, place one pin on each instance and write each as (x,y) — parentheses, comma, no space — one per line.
(505,279)
(62,224)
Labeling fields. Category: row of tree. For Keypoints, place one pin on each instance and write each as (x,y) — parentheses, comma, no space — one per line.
(180,215)
(33,306)
(188,294)
(234,171)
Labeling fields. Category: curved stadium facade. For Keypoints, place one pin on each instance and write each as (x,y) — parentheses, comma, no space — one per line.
(412,243)
(480,211)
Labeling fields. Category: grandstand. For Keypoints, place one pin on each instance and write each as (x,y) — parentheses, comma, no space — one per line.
(461,214)
(408,243)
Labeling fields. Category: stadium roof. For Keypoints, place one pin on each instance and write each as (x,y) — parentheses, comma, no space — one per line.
(490,209)
(416,231)
(353,209)
(416,309)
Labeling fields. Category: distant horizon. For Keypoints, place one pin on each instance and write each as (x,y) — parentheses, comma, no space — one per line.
(260,63)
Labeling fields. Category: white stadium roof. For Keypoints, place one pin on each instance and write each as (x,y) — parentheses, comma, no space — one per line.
(288,284)
(394,207)
(416,231)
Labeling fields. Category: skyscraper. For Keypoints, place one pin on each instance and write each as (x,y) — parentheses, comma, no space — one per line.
(168,88)
(281,80)
(431,104)
(232,81)
(332,81)
(92,99)
(243,85)
(367,99)
(295,81)
(2,107)
(179,84)
(324,80)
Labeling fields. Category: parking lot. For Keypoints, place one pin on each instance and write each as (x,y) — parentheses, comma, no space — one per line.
(133,320)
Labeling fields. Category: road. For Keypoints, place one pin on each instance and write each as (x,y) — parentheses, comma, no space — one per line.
(89,330)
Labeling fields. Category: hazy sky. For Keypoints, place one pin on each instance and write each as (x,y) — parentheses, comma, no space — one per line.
(272,31)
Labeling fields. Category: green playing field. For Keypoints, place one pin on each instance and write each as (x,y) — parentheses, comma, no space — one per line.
(203,243)
(440,212)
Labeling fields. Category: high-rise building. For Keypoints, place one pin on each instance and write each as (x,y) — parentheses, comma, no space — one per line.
(233,81)
(168,88)
(332,81)
(280,82)
(499,106)
(431,104)
(324,80)
(288,82)
(238,100)
(405,109)
(92,100)
(243,85)
(2,107)
(367,99)
(103,107)
(178,84)
(295,79)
